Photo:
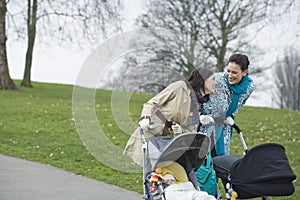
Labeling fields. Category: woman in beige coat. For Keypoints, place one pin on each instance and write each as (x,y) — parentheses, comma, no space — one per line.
(180,102)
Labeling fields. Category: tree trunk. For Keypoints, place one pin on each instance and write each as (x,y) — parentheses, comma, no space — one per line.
(31,32)
(221,58)
(6,82)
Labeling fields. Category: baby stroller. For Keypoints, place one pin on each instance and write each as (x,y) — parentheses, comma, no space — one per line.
(183,154)
(263,171)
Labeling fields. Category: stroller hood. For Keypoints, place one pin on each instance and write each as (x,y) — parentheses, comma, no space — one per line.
(264,171)
(161,149)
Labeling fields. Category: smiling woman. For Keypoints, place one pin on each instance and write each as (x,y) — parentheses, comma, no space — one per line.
(237,68)
(232,90)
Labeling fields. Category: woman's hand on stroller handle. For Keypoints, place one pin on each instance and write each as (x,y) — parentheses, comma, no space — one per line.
(177,130)
(229,121)
(145,123)
(206,119)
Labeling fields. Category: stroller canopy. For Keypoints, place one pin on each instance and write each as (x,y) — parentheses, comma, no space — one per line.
(264,171)
(161,149)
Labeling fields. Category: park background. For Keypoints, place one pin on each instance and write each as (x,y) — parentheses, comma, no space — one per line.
(51,137)
(60,62)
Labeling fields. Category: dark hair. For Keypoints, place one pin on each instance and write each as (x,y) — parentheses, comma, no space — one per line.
(197,80)
(198,77)
(241,60)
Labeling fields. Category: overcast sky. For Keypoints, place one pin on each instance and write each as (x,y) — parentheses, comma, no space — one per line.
(55,64)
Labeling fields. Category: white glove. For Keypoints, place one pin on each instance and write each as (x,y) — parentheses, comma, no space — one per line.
(206,119)
(145,124)
(177,130)
(229,121)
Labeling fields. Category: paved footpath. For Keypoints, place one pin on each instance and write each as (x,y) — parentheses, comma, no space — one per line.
(24,180)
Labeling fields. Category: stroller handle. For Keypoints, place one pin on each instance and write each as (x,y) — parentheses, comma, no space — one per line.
(238,130)
(144,150)
(143,138)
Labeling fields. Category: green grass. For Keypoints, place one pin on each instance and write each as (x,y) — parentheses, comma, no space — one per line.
(37,124)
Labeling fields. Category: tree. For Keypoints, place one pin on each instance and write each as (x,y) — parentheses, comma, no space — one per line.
(139,75)
(204,33)
(184,18)
(6,82)
(59,20)
(287,75)
(31,32)
(209,27)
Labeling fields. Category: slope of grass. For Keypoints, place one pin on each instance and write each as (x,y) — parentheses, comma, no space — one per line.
(37,124)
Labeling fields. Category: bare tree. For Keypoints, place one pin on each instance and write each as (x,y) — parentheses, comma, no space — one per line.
(63,21)
(287,75)
(139,73)
(31,33)
(209,28)
(185,19)
(204,33)
(6,82)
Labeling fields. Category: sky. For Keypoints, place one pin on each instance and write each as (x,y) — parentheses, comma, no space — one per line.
(56,64)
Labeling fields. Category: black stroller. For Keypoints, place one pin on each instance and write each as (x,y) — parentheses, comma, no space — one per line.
(184,152)
(264,171)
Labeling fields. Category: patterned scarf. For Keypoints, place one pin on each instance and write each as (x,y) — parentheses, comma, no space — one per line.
(237,90)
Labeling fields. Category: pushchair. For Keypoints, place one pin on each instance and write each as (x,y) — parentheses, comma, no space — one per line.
(183,153)
(263,171)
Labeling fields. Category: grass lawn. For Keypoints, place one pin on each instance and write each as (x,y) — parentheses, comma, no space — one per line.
(38,124)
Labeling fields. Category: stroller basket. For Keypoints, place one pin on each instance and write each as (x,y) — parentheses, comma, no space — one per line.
(263,171)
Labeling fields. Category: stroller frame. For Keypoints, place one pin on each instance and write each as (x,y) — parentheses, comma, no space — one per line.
(175,149)
(228,168)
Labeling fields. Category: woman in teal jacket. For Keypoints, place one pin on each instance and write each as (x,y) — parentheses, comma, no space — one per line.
(233,88)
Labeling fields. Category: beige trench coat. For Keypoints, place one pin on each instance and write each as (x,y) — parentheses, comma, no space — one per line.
(175,103)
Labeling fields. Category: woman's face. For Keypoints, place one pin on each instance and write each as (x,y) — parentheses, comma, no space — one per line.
(235,73)
(210,85)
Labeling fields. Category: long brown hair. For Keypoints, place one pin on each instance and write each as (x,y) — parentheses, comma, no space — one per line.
(198,78)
